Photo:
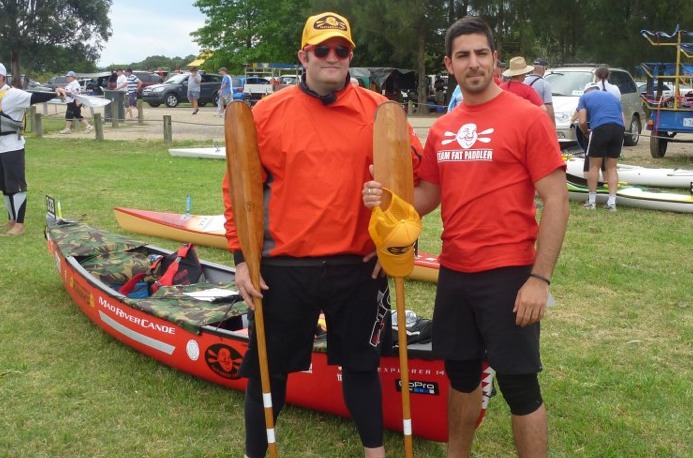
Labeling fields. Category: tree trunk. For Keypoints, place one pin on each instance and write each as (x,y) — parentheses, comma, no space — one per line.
(14,69)
(421,64)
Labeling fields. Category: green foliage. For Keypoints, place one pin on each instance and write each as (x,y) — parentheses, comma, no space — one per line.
(35,33)
(616,348)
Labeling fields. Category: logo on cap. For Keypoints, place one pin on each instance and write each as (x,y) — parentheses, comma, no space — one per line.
(330,22)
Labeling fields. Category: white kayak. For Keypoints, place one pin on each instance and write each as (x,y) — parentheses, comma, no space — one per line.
(640,176)
(89,101)
(631,196)
(217,152)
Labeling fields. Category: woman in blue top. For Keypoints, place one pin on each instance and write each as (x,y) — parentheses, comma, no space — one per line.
(605,133)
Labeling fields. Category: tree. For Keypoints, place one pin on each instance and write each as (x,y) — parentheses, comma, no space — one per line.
(32,29)
(243,31)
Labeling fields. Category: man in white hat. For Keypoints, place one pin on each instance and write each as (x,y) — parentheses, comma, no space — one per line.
(74,108)
(517,70)
(13,105)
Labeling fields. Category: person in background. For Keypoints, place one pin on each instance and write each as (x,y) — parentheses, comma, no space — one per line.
(605,132)
(315,142)
(74,108)
(496,261)
(601,76)
(113,80)
(536,81)
(121,81)
(516,71)
(194,85)
(225,94)
(133,86)
(14,104)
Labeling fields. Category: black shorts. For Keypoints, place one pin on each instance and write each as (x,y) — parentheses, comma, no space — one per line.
(73,111)
(356,310)
(606,141)
(473,318)
(12,172)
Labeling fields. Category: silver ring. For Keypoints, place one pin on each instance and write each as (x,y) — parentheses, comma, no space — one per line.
(368,191)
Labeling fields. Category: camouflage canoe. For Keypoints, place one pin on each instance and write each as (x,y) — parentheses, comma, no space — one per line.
(208,230)
(180,327)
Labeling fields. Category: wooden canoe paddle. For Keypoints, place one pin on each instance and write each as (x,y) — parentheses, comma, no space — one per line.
(245,183)
(392,167)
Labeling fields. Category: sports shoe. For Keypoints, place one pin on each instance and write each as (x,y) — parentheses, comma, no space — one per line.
(610,208)
(88,129)
(589,206)
(66,131)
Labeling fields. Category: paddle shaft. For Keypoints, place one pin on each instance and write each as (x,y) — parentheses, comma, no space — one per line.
(245,183)
(404,367)
(392,167)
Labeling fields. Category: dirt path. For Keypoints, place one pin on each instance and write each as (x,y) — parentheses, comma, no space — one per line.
(206,130)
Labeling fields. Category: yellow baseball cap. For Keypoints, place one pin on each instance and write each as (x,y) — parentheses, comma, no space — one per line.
(394,227)
(324,26)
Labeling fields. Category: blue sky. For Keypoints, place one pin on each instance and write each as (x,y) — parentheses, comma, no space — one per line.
(146,28)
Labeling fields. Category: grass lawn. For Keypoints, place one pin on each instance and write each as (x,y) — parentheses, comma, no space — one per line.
(617,347)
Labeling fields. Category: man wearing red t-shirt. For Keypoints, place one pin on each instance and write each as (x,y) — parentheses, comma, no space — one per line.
(483,163)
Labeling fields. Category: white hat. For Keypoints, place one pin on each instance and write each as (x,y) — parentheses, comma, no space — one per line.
(71,73)
(3,70)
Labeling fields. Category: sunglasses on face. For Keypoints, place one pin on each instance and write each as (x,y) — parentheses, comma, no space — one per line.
(323,51)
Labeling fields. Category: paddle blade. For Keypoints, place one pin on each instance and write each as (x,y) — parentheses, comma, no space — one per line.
(392,163)
(245,180)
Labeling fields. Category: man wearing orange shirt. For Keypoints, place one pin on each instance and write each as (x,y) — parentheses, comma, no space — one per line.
(315,142)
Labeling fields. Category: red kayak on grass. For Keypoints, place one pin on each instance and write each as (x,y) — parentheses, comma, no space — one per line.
(201,329)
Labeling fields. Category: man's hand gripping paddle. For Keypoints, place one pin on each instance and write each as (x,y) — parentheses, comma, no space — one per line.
(245,179)
(392,167)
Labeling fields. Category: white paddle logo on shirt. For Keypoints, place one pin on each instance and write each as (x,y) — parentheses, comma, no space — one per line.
(467,136)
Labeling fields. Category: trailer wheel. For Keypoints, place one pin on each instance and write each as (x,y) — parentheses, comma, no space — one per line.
(658,146)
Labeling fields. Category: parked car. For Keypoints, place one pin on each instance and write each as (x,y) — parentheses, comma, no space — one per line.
(237,85)
(31,84)
(148,79)
(567,85)
(256,87)
(175,90)
(667,90)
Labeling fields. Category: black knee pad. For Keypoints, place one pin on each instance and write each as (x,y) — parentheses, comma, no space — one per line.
(521,392)
(464,376)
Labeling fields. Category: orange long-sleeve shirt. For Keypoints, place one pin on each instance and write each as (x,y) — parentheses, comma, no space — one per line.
(315,160)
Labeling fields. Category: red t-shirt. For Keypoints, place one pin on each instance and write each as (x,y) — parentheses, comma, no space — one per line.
(486,159)
(523,90)
(315,159)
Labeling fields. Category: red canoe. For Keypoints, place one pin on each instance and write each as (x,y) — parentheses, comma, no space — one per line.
(208,339)
(208,230)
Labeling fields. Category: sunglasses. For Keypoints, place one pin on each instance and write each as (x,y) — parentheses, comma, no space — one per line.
(323,51)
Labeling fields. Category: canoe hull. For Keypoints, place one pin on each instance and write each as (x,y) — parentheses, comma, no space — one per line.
(640,176)
(631,196)
(215,355)
(199,153)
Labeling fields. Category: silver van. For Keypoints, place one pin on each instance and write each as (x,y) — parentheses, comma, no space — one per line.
(567,84)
